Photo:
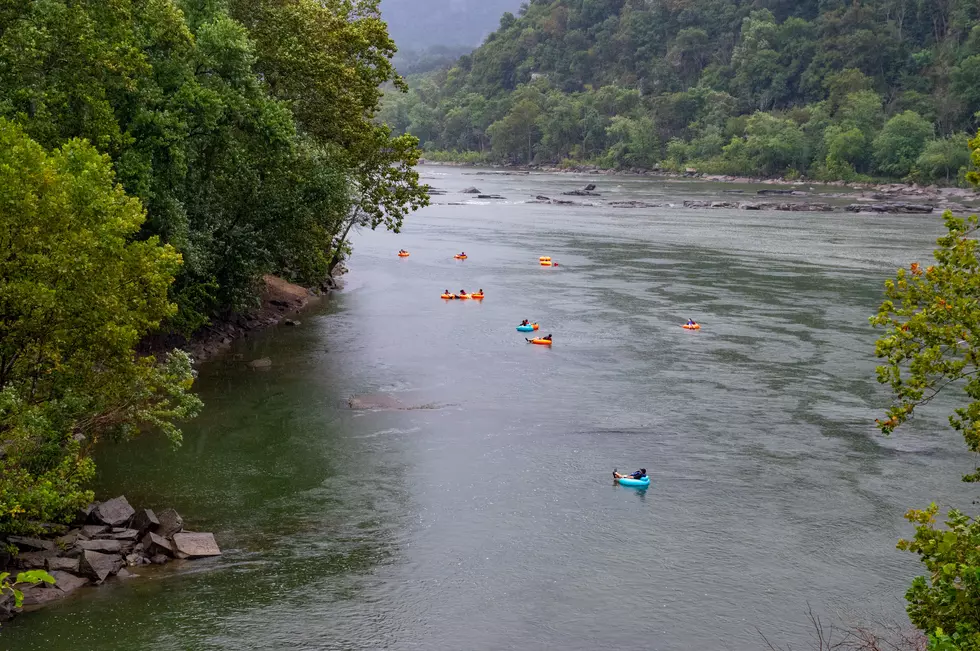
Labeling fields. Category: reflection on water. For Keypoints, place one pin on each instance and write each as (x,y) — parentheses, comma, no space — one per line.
(485,520)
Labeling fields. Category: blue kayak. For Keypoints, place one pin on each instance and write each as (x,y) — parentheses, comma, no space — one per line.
(635,483)
(527,328)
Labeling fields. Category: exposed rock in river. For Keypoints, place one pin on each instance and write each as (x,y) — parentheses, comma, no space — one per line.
(894,208)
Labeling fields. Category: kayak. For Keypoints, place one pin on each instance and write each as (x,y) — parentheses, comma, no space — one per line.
(688,326)
(541,342)
(463,296)
(634,483)
(460,257)
(449,296)
(476,296)
(403,255)
(531,327)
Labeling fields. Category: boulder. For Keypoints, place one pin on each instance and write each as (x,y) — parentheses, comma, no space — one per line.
(159,559)
(31,544)
(34,560)
(471,191)
(489,196)
(195,545)
(263,362)
(774,192)
(99,566)
(38,595)
(170,523)
(61,564)
(154,544)
(124,534)
(291,322)
(93,530)
(114,512)
(69,538)
(143,521)
(893,208)
(126,574)
(67,583)
(104,546)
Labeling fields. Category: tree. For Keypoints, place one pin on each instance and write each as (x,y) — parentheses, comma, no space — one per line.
(930,347)
(942,160)
(514,136)
(900,143)
(77,293)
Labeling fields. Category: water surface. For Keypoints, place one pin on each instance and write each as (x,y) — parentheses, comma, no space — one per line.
(485,518)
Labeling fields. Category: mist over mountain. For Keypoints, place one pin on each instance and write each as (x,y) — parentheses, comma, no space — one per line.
(421,24)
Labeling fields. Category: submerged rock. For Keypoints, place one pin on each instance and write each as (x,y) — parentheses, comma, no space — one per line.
(195,545)
(263,362)
(67,582)
(471,190)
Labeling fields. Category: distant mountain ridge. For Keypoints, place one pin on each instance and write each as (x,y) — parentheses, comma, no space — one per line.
(421,24)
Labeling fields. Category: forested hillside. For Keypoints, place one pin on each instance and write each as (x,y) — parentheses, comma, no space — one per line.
(825,88)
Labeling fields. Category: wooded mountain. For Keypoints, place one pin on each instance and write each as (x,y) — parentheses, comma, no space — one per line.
(421,24)
(827,88)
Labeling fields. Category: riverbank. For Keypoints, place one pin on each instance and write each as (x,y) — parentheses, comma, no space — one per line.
(940,198)
(279,301)
(107,540)
(893,198)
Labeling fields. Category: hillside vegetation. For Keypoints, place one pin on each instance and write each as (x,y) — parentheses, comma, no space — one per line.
(833,89)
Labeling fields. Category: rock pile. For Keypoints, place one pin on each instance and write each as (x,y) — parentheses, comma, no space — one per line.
(107,538)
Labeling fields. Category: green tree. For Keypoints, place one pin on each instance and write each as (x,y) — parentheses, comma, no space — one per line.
(900,143)
(77,294)
(929,347)
(515,135)
(942,160)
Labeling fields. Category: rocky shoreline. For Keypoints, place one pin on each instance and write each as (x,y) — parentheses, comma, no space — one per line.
(894,198)
(106,540)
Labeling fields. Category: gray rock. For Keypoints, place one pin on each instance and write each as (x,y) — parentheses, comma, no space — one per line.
(69,538)
(37,595)
(31,544)
(114,512)
(61,564)
(893,208)
(126,574)
(291,322)
(159,559)
(489,196)
(143,521)
(68,583)
(195,545)
(154,544)
(34,560)
(170,523)
(99,566)
(471,191)
(93,530)
(104,546)
(124,534)
(749,206)
(264,362)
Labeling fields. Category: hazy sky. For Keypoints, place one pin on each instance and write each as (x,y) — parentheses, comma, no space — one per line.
(417,24)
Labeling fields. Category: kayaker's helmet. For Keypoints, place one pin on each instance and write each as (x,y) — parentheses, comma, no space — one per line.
(643,470)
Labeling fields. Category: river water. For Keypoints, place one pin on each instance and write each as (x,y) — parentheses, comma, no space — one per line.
(485,517)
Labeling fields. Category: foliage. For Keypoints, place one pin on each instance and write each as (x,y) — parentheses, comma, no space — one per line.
(76,295)
(696,71)
(31,577)
(930,345)
(945,605)
(245,131)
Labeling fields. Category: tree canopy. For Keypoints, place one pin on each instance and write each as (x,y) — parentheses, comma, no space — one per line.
(699,70)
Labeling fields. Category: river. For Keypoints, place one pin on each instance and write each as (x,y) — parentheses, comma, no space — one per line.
(485,517)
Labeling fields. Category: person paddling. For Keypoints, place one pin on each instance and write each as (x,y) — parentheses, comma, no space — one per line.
(545,338)
(525,322)
(692,322)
